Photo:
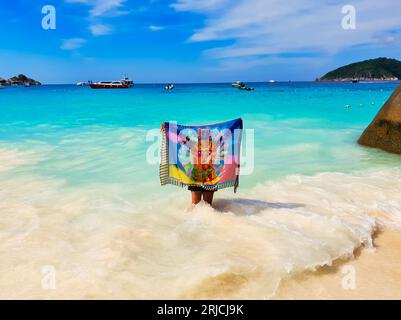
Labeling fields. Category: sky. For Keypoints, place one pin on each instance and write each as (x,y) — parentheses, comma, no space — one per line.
(158,41)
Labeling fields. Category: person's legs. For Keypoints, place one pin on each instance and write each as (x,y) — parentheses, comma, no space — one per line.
(196,196)
(208,196)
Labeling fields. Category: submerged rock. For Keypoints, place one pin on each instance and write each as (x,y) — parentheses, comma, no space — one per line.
(384,132)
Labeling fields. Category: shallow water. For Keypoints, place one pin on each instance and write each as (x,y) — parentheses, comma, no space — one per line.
(77,194)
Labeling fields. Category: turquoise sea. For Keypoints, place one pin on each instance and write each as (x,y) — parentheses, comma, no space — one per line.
(79,194)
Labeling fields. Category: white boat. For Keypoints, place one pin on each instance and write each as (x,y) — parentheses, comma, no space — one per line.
(272,81)
(2,87)
(169,86)
(83,84)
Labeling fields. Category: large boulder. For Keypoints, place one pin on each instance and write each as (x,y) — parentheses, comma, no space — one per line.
(384,132)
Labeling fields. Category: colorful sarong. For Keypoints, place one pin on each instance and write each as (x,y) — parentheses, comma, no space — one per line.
(202,156)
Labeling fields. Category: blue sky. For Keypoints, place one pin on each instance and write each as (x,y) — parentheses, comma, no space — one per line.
(193,40)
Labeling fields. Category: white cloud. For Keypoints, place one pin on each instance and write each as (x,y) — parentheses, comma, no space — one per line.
(112,7)
(103,7)
(99,29)
(155,28)
(197,5)
(72,44)
(272,27)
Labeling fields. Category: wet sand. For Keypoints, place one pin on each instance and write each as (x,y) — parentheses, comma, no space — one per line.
(377,275)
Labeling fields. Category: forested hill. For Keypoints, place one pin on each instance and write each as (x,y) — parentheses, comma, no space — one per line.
(368,70)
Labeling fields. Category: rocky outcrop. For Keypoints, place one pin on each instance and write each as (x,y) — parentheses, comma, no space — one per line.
(385,130)
(22,79)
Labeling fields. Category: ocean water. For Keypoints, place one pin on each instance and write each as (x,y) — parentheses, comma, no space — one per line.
(79,199)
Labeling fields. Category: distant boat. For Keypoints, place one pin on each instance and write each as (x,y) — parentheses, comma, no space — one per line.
(27,84)
(122,84)
(246,88)
(2,87)
(82,84)
(355,81)
(272,81)
(169,86)
(109,85)
(238,84)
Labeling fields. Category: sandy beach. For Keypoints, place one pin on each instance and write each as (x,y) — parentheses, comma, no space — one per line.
(377,274)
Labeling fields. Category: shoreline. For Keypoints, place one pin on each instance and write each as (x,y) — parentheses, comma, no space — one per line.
(377,274)
(225,83)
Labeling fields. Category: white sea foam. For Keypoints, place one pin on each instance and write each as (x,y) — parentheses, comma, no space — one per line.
(12,158)
(107,242)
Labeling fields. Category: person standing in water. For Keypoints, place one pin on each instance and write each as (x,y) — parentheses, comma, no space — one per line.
(197,193)
(203,159)
(203,172)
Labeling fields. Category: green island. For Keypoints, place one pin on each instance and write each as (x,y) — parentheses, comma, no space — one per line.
(380,69)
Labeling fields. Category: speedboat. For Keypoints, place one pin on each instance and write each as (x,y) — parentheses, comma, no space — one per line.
(246,88)
(238,84)
(169,86)
(241,86)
